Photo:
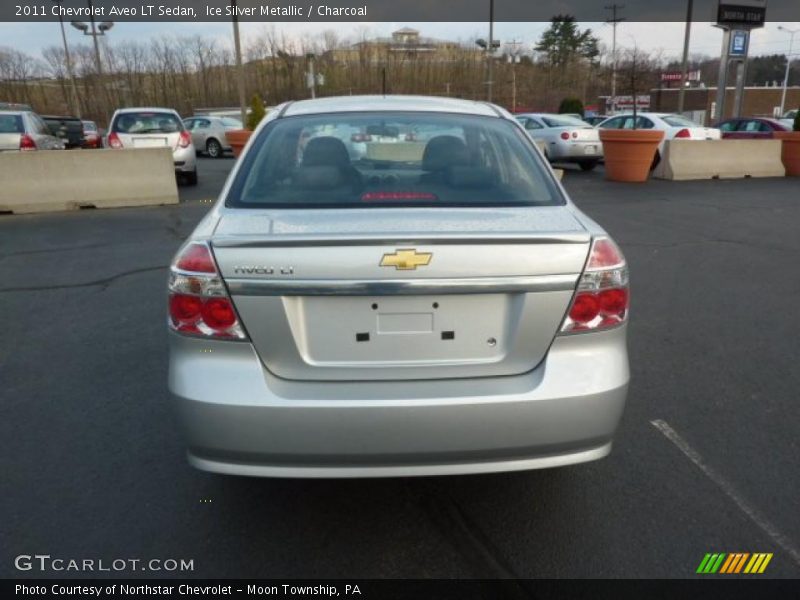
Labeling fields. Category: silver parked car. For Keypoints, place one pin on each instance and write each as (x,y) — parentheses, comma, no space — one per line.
(434,306)
(25,130)
(565,138)
(208,133)
(155,128)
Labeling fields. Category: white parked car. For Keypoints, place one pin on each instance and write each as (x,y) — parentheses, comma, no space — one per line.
(788,118)
(155,128)
(564,138)
(674,126)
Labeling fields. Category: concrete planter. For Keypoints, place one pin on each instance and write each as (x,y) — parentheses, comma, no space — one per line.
(238,140)
(790,153)
(629,153)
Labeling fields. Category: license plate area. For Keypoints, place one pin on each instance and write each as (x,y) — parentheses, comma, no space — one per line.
(149,142)
(403,330)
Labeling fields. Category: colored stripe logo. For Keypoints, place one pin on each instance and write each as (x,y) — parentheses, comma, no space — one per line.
(734,563)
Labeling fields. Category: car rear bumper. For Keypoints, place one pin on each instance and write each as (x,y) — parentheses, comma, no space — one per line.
(576,151)
(185,160)
(239,419)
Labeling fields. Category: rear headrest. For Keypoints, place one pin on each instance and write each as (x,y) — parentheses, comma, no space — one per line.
(325,151)
(444,151)
(469,177)
(322,177)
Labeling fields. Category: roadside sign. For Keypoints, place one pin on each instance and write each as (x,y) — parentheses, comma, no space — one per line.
(742,13)
(739,41)
(622,103)
(677,75)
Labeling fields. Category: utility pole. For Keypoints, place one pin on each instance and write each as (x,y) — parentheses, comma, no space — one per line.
(791,33)
(75,99)
(237,44)
(614,20)
(685,63)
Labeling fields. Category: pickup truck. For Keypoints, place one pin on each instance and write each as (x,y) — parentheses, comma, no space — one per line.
(69,129)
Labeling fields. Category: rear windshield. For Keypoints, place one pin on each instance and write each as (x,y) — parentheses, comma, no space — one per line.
(563,121)
(11,124)
(678,121)
(391,160)
(228,122)
(89,126)
(147,122)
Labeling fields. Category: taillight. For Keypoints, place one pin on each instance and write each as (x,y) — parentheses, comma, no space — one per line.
(602,298)
(199,303)
(564,135)
(26,143)
(683,133)
(114,141)
(574,135)
(185,139)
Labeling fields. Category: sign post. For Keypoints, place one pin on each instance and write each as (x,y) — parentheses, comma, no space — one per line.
(736,18)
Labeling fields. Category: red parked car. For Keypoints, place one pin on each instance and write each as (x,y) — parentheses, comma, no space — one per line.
(92,138)
(750,128)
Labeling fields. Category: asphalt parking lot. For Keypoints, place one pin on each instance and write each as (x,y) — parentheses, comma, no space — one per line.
(706,459)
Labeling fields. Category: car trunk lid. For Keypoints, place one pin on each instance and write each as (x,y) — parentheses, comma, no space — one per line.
(401,294)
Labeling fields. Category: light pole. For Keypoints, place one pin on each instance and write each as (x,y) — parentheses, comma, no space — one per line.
(237,45)
(489,48)
(76,101)
(513,59)
(791,33)
(311,76)
(96,31)
(614,20)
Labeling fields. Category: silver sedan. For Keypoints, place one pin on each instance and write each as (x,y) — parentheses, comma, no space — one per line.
(436,305)
(209,133)
(564,138)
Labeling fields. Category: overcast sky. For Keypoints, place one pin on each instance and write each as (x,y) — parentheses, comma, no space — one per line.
(666,37)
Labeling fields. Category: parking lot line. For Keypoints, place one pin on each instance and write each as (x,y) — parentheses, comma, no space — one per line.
(748,509)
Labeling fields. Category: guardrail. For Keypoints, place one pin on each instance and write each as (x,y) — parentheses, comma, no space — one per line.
(722,159)
(67,180)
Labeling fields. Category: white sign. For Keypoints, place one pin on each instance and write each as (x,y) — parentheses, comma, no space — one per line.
(626,102)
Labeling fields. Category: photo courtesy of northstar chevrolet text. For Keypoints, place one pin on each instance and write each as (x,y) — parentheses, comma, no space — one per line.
(399,299)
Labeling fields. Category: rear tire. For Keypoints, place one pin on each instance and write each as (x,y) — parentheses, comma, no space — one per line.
(214,149)
(190,178)
(588,165)
(656,160)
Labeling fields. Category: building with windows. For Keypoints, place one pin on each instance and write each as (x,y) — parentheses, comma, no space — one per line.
(403,44)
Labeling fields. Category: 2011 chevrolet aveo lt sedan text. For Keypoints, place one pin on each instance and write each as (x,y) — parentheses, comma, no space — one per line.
(394,286)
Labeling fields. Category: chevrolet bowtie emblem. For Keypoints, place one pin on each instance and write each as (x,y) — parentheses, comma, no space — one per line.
(406,259)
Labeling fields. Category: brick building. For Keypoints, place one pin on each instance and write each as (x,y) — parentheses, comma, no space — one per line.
(757,101)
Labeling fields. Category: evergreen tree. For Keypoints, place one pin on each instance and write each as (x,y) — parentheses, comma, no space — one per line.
(563,42)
